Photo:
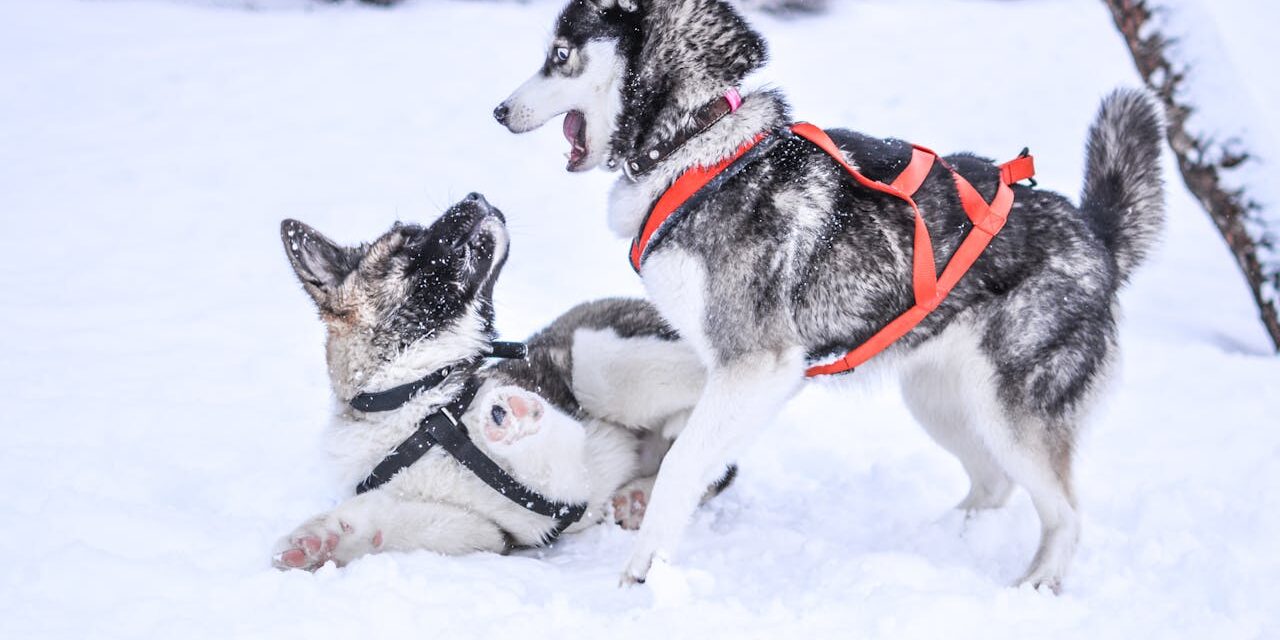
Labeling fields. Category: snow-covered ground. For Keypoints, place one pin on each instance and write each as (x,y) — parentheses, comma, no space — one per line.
(161,374)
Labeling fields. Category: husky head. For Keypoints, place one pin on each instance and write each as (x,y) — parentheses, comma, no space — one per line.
(412,301)
(628,72)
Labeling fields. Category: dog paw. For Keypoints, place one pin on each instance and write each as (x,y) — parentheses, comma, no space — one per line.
(511,414)
(637,569)
(323,539)
(630,502)
(1042,581)
(628,509)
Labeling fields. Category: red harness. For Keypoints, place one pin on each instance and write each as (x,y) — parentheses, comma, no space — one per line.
(930,289)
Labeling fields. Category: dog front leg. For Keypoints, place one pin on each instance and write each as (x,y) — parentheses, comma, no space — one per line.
(375,522)
(740,398)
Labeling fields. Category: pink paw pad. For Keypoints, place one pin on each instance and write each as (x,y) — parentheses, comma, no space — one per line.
(296,558)
(520,407)
(512,416)
(629,508)
(310,543)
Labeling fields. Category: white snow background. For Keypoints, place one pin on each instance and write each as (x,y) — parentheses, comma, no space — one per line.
(162,385)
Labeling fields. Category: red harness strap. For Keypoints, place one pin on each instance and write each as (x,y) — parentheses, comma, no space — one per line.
(689,183)
(929,289)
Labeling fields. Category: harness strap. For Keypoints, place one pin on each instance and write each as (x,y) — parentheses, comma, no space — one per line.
(453,439)
(444,428)
(928,288)
(418,443)
(396,397)
(690,189)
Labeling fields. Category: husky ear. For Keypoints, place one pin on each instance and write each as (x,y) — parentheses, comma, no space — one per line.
(320,263)
(746,51)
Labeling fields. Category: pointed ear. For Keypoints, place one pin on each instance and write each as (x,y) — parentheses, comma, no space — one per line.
(746,50)
(320,263)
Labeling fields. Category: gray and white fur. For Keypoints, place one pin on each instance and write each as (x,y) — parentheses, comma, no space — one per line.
(571,421)
(790,263)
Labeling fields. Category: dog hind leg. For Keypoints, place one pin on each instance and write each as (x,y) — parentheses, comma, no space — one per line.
(937,391)
(953,388)
(632,499)
(1043,468)
(375,522)
(1016,448)
(1048,350)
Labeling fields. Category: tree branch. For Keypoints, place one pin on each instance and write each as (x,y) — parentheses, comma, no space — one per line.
(1201,160)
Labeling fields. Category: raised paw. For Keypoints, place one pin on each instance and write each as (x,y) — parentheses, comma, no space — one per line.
(325,538)
(510,414)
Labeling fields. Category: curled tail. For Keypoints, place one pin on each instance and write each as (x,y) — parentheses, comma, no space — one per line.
(1123,188)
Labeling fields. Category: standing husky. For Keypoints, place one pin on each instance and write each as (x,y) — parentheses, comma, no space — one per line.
(569,421)
(789,262)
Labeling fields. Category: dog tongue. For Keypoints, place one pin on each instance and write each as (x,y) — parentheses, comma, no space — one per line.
(575,130)
(574,123)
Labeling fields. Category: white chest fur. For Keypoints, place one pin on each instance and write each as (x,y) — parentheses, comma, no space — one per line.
(629,203)
(676,282)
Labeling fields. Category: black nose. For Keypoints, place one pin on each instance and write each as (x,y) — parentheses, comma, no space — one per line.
(501,112)
(476,198)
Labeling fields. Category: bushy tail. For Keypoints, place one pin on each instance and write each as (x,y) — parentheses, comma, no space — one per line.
(1123,188)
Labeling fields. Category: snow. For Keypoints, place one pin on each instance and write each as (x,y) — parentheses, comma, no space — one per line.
(1235,93)
(162,384)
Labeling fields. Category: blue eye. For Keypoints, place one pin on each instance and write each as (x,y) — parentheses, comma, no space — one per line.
(561,55)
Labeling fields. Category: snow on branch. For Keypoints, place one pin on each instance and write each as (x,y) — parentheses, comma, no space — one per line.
(1206,162)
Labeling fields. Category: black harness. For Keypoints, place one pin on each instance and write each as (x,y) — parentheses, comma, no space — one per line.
(443,427)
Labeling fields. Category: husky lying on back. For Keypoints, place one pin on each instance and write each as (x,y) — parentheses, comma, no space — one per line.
(788,263)
(568,422)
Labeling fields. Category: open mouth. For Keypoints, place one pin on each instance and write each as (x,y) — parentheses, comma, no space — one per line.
(485,229)
(575,131)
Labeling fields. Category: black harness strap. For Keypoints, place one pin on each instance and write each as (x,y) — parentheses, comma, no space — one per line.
(450,436)
(418,443)
(508,350)
(396,397)
(444,427)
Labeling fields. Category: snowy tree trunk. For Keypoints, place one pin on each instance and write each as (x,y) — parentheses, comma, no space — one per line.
(1203,161)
